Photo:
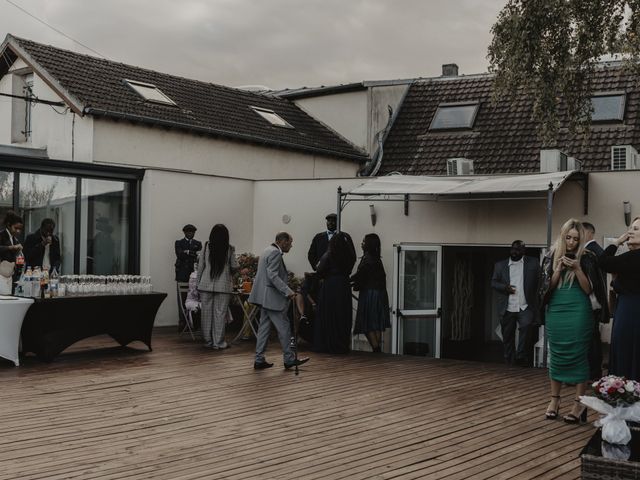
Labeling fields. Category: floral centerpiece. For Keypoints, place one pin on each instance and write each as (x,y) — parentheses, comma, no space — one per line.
(294,282)
(618,400)
(248,266)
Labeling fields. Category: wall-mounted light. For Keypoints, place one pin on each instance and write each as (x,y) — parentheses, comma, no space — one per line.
(626,206)
(372,210)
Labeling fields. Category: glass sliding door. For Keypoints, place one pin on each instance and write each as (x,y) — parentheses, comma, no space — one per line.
(416,300)
(49,196)
(104,227)
(6,193)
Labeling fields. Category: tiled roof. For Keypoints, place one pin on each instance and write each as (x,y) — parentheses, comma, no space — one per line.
(98,85)
(503,138)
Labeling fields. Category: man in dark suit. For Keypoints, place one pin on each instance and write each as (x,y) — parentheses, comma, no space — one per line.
(187,249)
(600,309)
(42,247)
(320,242)
(591,244)
(516,280)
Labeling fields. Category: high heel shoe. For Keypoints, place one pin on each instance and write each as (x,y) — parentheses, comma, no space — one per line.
(553,414)
(580,418)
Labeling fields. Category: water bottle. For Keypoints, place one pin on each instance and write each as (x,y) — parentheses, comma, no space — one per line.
(20,286)
(35,282)
(26,284)
(44,284)
(54,282)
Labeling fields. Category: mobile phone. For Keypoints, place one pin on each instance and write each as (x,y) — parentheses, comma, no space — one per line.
(570,255)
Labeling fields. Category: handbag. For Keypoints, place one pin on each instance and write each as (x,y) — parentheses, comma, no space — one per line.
(7,268)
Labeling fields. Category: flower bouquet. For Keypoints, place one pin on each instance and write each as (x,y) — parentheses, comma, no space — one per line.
(618,400)
(248,266)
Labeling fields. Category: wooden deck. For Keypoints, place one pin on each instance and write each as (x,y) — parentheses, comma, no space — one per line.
(182,412)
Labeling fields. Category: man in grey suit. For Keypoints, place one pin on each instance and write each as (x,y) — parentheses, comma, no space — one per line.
(271,292)
(516,281)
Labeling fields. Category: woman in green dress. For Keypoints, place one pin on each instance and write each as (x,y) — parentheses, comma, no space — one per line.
(568,317)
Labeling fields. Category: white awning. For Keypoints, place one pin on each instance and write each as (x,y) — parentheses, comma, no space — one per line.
(471,187)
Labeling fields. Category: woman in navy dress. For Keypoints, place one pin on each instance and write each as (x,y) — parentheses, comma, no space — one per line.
(625,337)
(372,317)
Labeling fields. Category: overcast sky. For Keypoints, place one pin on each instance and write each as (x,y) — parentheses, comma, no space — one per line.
(277,43)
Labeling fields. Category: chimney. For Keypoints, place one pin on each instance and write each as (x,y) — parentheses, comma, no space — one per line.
(450,70)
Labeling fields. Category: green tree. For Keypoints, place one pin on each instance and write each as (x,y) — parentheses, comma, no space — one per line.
(550,49)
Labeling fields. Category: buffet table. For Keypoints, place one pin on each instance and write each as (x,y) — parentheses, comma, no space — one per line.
(51,325)
(12,311)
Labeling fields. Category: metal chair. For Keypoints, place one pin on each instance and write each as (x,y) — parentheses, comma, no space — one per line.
(182,288)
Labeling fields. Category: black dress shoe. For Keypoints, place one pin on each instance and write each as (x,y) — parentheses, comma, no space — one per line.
(298,362)
(262,365)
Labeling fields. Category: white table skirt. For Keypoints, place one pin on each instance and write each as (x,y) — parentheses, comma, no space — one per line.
(12,314)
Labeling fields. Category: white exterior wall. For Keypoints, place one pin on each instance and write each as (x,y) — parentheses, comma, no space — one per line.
(441,223)
(169,201)
(120,143)
(65,136)
(346,113)
(358,116)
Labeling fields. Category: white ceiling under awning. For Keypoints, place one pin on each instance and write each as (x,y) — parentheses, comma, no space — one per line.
(471,187)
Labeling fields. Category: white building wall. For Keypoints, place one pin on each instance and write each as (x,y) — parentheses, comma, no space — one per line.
(346,113)
(169,201)
(65,136)
(380,99)
(121,143)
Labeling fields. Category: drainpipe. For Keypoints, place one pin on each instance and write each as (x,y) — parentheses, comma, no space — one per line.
(371,168)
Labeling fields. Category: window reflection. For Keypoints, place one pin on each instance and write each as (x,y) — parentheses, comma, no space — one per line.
(6,193)
(419,280)
(48,196)
(104,235)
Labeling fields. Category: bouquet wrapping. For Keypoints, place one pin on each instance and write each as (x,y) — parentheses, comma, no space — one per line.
(614,421)
(618,400)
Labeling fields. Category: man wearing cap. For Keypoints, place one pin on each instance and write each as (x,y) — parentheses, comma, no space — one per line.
(320,242)
(187,249)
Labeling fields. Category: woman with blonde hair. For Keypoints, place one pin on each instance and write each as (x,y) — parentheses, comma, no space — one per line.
(567,273)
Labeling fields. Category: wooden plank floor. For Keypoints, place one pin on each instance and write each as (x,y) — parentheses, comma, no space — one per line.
(182,412)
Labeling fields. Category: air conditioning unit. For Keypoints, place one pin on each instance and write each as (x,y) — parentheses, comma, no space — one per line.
(459,166)
(624,157)
(553,160)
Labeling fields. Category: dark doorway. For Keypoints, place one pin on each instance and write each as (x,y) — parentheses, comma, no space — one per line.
(468,318)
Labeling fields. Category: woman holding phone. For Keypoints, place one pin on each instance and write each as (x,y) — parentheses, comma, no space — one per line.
(567,273)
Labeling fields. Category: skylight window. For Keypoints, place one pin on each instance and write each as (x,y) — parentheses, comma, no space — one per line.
(608,107)
(272,117)
(454,115)
(149,92)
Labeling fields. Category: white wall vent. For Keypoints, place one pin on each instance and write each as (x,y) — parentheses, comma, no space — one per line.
(459,166)
(624,157)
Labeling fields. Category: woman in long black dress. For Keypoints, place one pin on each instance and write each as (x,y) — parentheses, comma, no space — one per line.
(625,337)
(332,328)
(372,317)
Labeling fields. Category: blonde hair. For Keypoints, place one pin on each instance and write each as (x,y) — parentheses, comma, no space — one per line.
(560,248)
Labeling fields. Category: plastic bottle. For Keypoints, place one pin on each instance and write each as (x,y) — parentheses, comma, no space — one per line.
(26,283)
(20,261)
(20,286)
(44,284)
(54,282)
(35,282)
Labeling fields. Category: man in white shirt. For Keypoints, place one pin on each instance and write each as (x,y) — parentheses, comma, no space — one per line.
(42,248)
(515,280)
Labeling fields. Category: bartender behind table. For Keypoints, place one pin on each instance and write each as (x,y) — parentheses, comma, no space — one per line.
(10,247)
(42,248)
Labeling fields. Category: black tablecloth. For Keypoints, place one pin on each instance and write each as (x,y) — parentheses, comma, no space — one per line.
(51,325)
